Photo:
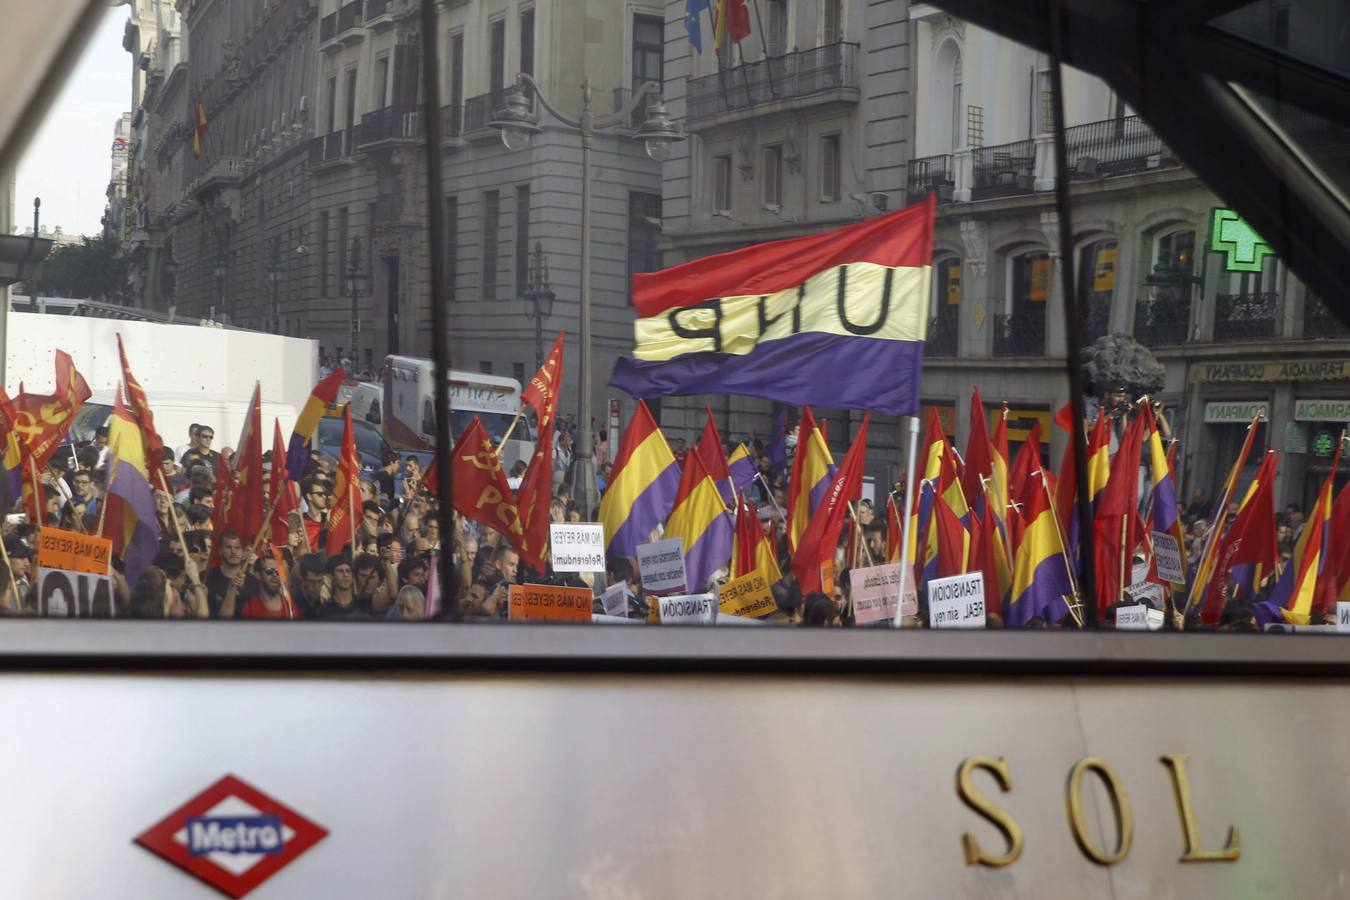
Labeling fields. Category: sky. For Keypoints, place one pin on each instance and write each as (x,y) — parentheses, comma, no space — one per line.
(69,161)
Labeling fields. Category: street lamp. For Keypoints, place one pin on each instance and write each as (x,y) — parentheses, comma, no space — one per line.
(540,298)
(354,279)
(518,123)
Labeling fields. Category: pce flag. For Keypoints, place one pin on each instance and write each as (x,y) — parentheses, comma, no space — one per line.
(836,320)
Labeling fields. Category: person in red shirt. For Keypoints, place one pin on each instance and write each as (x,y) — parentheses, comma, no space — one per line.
(315,494)
(270,602)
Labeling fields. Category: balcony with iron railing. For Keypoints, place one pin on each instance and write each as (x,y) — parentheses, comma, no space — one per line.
(943,335)
(1162,321)
(1115,147)
(1319,322)
(930,174)
(452,121)
(334,147)
(223,170)
(478,111)
(1019,334)
(344,27)
(1003,170)
(377,15)
(1247,317)
(393,123)
(791,81)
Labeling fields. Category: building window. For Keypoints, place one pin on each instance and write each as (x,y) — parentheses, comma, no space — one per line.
(456,84)
(1042,99)
(497,57)
(944,328)
(323,254)
(350,119)
(527,41)
(832,24)
(522,239)
(644,232)
(773,176)
(1096,287)
(451,247)
(776,27)
(330,107)
(491,216)
(381,87)
(722,184)
(829,168)
(485,366)
(1020,330)
(518,372)
(341,250)
(947,88)
(648,55)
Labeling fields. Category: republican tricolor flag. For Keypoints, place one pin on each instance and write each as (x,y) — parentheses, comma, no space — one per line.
(805,321)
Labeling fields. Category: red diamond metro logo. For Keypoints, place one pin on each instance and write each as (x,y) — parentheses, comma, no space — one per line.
(232,836)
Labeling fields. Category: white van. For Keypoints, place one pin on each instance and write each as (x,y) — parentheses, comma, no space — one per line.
(175,413)
(410,408)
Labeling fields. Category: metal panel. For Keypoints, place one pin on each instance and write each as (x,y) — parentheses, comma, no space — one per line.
(752,786)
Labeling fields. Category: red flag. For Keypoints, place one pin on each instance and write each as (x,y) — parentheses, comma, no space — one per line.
(1250,539)
(535,493)
(140,409)
(984,538)
(821,537)
(979,451)
(283,494)
(952,540)
(1020,480)
(220,500)
(709,449)
(481,492)
(43,420)
(541,394)
(1338,545)
(1117,513)
(1064,418)
(347,490)
(244,511)
(748,552)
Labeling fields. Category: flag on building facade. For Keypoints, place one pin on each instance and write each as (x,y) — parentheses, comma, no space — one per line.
(643,482)
(693,26)
(805,321)
(199,129)
(732,22)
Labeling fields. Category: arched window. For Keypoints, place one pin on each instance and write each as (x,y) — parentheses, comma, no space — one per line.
(1020,329)
(946,109)
(1163,315)
(1096,286)
(944,327)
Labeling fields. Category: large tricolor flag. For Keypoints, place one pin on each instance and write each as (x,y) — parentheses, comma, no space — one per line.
(700,519)
(1040,570)
(1204,569)
(1247,550)
(299,452)
(1166,515)
(750,549)
(1296,594)
(642,486)
(809,320)
(139,407)
(741,465)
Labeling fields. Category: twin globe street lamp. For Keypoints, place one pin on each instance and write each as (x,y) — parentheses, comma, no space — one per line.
(518,124)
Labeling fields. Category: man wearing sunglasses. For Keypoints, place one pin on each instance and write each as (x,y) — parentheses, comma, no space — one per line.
(315,495)
(270,602)
(201,451)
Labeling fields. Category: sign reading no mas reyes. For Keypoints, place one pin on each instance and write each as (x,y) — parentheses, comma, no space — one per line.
(577,547)
(73,574)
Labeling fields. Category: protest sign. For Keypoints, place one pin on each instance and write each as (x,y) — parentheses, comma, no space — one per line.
(747,596)
(73,575)
(1132,618)
(577,547)
(1343,616)
(661,564)
(876,592)
(615,600)
(549,603)
(1146,591)
(1138,572)
(1167,558)
(909,593)
(689,609)
(957,602)
(1155,620)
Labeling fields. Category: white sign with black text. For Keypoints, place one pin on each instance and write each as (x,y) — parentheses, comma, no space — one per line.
(615,600)
(661,564)
(1132,618)
(1343,616)
(689,609)
(577,546)
(957,602)
(1167,557)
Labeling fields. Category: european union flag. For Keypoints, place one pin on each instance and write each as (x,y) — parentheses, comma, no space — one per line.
(691,22)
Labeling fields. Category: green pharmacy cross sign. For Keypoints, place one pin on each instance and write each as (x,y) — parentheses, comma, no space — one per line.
(1242,248)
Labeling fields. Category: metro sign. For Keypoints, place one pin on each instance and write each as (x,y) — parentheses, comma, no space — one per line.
(232,836)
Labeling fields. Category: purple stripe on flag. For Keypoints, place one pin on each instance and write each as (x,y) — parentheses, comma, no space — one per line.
(1164,505)
(710,552)
(1044,597)
(808,369)
(818,492)
(139,501)
(649,510)
(742,473)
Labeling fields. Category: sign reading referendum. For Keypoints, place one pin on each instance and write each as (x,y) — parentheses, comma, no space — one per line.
(661,564)
(748,597)
(876,592)
(688,609)
(577,547)
(957,602)
(549,603)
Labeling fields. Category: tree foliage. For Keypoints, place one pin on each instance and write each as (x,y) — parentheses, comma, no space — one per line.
(89,270)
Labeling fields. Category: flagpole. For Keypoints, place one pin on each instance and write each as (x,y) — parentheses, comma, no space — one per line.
(768,67)
(173,515)
(1063,551)
(769,489)
(506,437)
(37,495)
(907,525)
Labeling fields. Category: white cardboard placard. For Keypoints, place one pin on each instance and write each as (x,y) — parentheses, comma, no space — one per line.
(577,546)
(689,609)
(1132,618)
(1167,557)
(957,602)
(614,600)
(661,564)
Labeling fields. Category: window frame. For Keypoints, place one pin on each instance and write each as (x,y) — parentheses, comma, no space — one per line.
(771,160)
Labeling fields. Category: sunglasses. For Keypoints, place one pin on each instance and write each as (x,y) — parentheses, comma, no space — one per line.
(271,572)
